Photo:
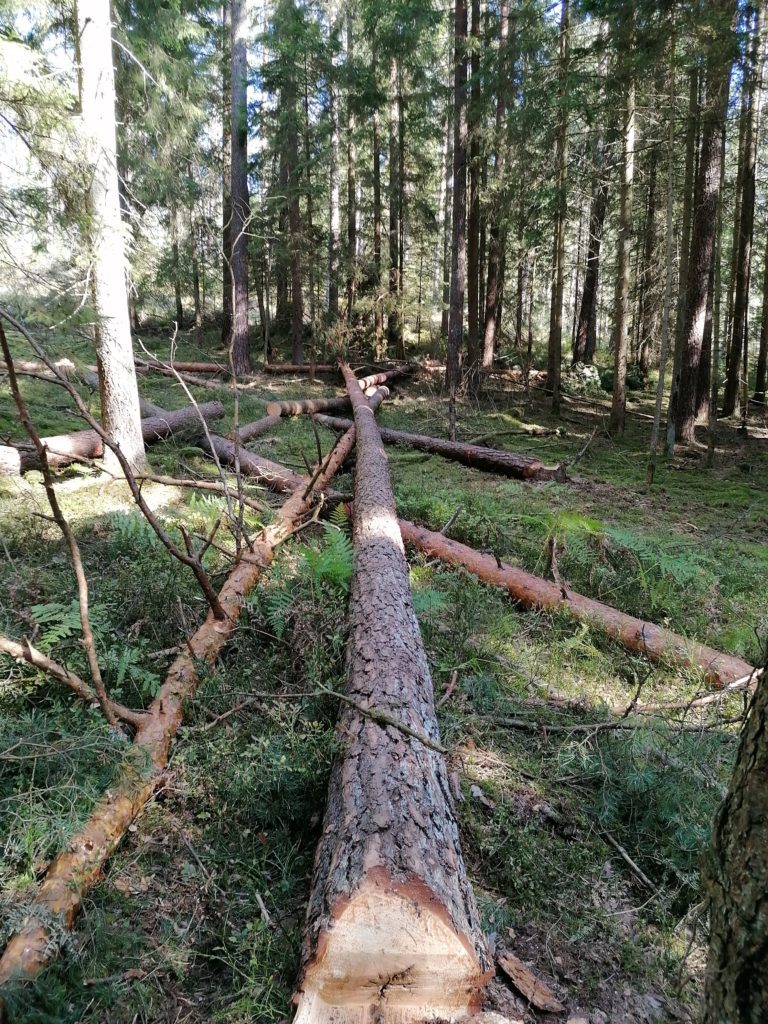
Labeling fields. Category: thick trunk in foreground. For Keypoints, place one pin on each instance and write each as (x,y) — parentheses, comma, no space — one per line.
(656,643)
(86,444)
(76,870)
(490,459)
(114,348)
(393,933)
(737,970)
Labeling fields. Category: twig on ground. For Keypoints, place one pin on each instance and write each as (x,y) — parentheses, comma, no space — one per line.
(383,718)
(452,520)
(449,688)
(636,869)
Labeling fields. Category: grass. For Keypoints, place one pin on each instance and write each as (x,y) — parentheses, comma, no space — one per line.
(199,916)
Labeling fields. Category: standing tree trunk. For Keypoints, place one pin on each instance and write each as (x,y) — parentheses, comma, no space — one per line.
(196,300)
(762,358)
(647,314)
(400,349)
(718,73)
(394,327)
(351,180)
(586,328)
(623,271)
(176,264)
(392,927)
(114,350)
(459,241)
(555,347)
(669,239)
(239,347)
(473,215)
(294,219)
(378,296)
(226,176)
(737,978)
(447,220)
(334,213)
(743,241)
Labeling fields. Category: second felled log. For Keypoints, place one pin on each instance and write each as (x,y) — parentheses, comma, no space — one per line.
(64,449)
(393,932)
(524,467)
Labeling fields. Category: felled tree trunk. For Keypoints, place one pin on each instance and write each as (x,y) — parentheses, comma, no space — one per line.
(74,871)
(393,933)
(212,368)
(315,405)
(533,592)
(86,444)
(299,368)
(491,459)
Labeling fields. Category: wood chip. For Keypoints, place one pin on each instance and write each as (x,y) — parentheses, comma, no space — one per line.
(528,985)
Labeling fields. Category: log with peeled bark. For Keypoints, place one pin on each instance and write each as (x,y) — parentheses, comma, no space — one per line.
(657,643)
(524,467)
(315,405)
(86,444)
(393,933)
(74,872)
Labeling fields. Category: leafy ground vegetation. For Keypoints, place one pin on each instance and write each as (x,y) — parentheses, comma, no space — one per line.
(584,843)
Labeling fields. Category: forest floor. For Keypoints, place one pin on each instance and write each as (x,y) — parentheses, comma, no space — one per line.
(199,916)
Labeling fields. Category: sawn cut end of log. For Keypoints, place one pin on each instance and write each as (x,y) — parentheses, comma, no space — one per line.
(393,933)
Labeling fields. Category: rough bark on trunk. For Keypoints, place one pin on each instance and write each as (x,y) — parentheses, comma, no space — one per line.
(393,933)
(524,467)
(623,271)
(114,349)
(65,449)
(533,592)
(459,219)
(737,882)
(704,227)
(555,345)
(648,311)
(239,344)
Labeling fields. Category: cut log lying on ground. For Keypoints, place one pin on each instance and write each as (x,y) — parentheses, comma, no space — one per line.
(300,368)
(313,405)
(64,449)
(182,367)
(75,870)
(523,467)
(393,933)
(258,427)
(534,592)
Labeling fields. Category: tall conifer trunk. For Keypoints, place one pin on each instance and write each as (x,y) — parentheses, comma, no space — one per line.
(459,220)
(334,212)
(114,348)
(718,72)
(351,180)
(623,271)
(239,347)
(377,215)
(394,326)
(473,216)
(555,347)
(226,175)
(743,241)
